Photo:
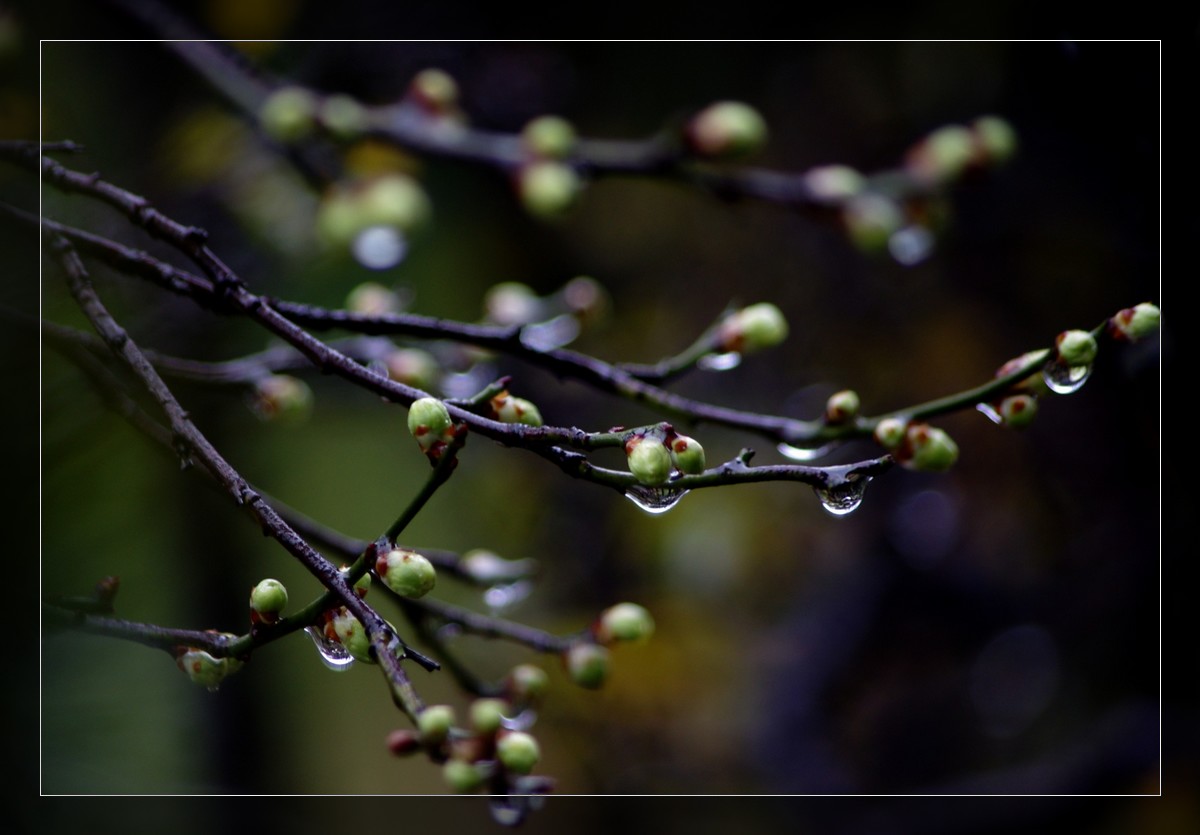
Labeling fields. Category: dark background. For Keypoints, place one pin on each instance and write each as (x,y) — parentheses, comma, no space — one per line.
(995,630)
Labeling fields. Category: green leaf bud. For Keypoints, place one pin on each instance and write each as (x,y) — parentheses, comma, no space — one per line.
(943,155)
(527,683)
(1017,410)
(352,635)
(429,421)
(1134,323)
(509,409)
(461,776)
(752,329)
(288,114)
(834,183)
(549,137)
(625,622)
(931,449)
(687,455)
(547,189)
(649,460)
(205,669)
(1076,347)
(282,397)
(362,585)
(995,139)
(518,752)
(486,715)
(890,432)
(870,220)
(588,665)
(407,573)
(841,407)
(434,724)
(344,117)
(726,130)
(267,600)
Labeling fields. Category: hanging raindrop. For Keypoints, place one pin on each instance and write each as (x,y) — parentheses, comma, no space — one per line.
(804,453)
(335,656)
(719,362)
(508,811)
(523,721)
(988,411)
(654,499)
(844,497)
(1065,379)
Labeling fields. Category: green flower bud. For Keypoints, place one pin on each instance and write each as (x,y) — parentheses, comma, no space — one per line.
(267,600)
(870,220)
(547,189)
(752,329)
(413,367)
(549,137)
(1018,410)
(527,684)
(205,669)
(281,397)
(434,724)
(435,90)
(288,114)
(726,130)
(841,407)
(1076,347)
(407,573)
(890,432)
(461,776)
(1134,323)
(1034,384)
(352,635)
(649,460)
(625,622)
(995,138)
(687,455)
(509,409)
(943,155)
(372,299)
(344,117)
(834,183)
(429,421)
(932,450)
(486,715)
(518,752)
(362,585)
(587,664)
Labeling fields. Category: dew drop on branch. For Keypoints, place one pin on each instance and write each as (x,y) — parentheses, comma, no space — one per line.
(654,500)
(804,453)
(719,362)
(1065,379)
(335,656)
(989,412)
(844,497)
(551,334)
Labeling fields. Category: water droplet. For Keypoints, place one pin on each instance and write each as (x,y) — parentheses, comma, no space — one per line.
(911,245)
(802,453)
(379,247)
(545,336)
(523,721)
(335,656)
(719,362)
(654,499)
(506,595)
(1065,379)
(844,497)
(508,811)
(991,414)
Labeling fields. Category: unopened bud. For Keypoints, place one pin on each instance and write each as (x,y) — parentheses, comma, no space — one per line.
(205,669)
(434,724)
(547,189)
(549,137)
(588,664)
(407,573)
(267,600)
(429,422)
(527,683)
(402,741)
(1034,384)
(995,139)
(727,130)
(509,409)
(930,448)
(518,752)
(752,329)
(352,635)
(943,155)
(461,776)
(413,367)
(625,622)
(649,460)
(288,114)
(687,455)
(889,432)
(1134,323)
(342,116)
(1017,410)
(435,91)
(834,183)
(487,715)
(282,397)
(1076,347)
(372,299)
(841,407)
(871,220)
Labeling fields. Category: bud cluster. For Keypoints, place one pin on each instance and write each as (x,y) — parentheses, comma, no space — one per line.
(656,455)
(917,446)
